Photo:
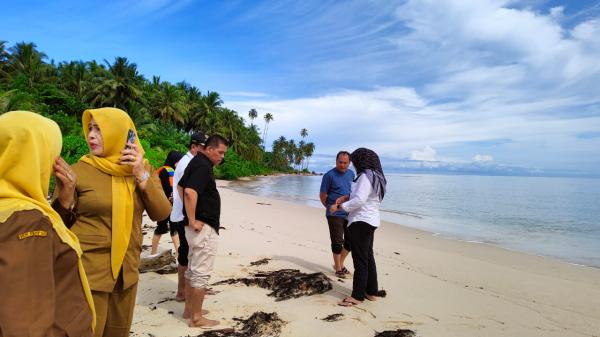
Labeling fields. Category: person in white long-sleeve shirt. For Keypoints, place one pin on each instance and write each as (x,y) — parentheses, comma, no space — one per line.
(367,192)
(196,143)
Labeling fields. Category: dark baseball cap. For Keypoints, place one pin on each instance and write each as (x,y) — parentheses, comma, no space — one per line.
(198,138)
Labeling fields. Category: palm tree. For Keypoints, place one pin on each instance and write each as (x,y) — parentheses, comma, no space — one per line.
(127,79)
(309,149)
(4,57)
(73,77)
(119,86)
(303,133)
(268,118)
(170,103)
(27,60)
(252,114)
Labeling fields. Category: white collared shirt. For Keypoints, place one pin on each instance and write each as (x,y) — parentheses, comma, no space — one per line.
(363,204)
(177,211)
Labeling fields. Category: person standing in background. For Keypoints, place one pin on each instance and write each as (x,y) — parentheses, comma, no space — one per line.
(335,184)
(165,174)
(197,142)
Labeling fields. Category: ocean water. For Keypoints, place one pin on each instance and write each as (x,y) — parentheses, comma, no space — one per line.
(556,217)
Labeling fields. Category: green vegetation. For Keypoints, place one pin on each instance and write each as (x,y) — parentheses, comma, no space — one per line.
(164,113)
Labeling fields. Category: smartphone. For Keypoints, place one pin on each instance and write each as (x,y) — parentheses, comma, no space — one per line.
(130,138)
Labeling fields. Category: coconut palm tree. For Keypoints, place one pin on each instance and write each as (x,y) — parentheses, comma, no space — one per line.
(4,57)
(118,87)
(27,60)
(170,103)
(303,133)
(268,118)
(309,149)
(74,77)
(252,114)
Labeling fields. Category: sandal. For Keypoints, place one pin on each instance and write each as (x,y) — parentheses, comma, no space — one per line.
(346,271)
(340,274)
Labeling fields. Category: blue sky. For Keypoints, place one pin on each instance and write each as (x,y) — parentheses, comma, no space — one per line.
(462,81)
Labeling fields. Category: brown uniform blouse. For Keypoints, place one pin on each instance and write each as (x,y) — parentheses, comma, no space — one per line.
(40,288)
(93,224)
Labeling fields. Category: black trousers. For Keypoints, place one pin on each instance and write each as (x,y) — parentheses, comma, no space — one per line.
(338,232)
(365,271)
(182,252)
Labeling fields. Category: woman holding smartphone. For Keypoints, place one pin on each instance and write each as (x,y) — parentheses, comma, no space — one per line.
(113,187)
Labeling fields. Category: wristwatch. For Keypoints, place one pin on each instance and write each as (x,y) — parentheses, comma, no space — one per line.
(144,177)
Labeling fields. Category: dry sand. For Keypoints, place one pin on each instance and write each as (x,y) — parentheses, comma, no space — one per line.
(436,286)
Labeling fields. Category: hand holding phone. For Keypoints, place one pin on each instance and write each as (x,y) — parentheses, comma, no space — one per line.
(130,138)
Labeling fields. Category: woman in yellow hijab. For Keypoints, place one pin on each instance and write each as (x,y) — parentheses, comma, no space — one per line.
(43,287)
(114,187)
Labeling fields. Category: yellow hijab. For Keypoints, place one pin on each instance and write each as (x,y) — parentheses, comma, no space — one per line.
(29,144)
(114,125)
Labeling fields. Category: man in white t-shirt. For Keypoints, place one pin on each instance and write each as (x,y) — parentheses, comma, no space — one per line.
(196,144)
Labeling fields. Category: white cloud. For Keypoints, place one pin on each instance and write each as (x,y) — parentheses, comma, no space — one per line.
(426,154)
(485,69)
(483,158)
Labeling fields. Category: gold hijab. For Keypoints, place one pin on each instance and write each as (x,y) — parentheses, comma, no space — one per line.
(29,144)
(114,125)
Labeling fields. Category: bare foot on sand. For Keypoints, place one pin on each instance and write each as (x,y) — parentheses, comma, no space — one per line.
(187,315)
(180,298)
(349,302)
(203,323)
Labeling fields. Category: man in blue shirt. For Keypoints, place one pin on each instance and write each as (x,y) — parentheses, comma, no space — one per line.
(336,183)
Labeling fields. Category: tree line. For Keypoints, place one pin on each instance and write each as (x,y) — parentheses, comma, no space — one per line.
(165,113)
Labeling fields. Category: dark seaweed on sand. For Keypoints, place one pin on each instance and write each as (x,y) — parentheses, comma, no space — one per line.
(396,333)
(286,283)
(259,324)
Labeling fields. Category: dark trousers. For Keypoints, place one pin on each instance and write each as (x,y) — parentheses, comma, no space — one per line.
(338,232)
(365,270)
(182,252)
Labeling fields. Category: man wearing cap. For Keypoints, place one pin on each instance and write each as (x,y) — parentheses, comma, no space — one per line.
(196,144)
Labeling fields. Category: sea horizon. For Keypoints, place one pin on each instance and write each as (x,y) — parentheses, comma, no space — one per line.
(547,216)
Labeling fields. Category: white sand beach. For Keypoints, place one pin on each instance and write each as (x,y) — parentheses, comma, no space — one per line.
(435,286)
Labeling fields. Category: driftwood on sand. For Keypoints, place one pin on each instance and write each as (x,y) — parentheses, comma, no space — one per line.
(259,324)
(163,263)
(286,283)
(260,262)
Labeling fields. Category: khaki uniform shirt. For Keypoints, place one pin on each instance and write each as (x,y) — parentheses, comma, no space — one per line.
(40,289)
(93,225)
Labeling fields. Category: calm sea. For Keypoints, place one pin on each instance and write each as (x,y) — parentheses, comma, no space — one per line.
(557,217)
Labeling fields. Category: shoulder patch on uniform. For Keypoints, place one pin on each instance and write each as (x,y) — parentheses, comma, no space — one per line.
(32,234)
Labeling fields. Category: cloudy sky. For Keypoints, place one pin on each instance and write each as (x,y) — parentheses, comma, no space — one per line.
(505,82)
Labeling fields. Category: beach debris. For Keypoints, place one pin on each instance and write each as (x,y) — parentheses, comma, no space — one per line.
(260,262)
(396,253)
(396,333)
(333,318)
(286,283)
(263,203)
(146,247)
(259,324)
(381,293)
(163,263)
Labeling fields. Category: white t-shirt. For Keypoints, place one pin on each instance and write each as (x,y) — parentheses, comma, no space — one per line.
(363,204)
(177,210)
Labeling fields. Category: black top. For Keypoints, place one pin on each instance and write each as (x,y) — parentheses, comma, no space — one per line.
(165,178)
(198,175)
